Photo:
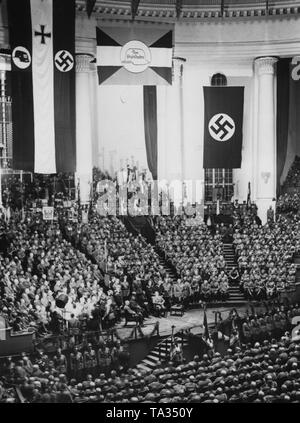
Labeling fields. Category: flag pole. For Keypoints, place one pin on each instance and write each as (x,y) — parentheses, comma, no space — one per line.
(1,204)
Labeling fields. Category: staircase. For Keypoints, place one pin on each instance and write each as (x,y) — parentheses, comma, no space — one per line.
(170,271)
(160,353)
(235,295)
(228,253)
(297,262)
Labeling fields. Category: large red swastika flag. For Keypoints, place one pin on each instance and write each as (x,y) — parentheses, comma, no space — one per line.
(42,38)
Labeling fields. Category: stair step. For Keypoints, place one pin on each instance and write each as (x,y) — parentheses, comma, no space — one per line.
(156,353)
(149,363)
(143,367)
(152,358)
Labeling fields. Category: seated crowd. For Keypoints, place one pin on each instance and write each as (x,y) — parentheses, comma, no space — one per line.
(269,324)
(76,277)
(293,176)
(132,267)
(41,267)
(197,257)
(261,372)
(264,256)
(288,203)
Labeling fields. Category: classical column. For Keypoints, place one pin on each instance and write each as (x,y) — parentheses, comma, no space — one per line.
(83,126)
(266,136)
(178,63)
(175,152)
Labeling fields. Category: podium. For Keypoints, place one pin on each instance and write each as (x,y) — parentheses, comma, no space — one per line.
(13,343)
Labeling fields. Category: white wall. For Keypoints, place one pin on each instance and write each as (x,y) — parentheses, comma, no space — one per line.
(121,127)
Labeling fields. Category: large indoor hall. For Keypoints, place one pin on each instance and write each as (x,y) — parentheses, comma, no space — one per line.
(149,204)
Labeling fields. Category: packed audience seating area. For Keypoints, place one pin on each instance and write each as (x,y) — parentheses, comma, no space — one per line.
(134,274)
(197,256)
(289,200)
(288,203)
(39,267)
(293,176)
(265,324)
(264,368)
(264,255)
(101,272)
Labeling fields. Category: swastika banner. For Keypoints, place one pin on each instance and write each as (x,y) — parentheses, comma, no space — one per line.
(42,39)
(223,127)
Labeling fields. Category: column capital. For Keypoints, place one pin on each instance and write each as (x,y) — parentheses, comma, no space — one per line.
(265,65)
(178,63)
(5,62)
(84,62)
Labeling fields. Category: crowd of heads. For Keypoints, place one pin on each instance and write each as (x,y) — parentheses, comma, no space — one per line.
(264,256)
(268,323)
(288,203)
(197,256)
(134,274)
(40,267)
(101,272)
(263,372)
(293,176)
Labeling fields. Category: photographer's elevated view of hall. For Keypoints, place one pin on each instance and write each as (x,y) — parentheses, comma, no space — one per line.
(149,203)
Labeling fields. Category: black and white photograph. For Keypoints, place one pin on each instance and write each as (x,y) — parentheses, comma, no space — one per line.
(149,205)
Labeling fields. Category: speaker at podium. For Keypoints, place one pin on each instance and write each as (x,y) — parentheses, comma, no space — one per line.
(218,194)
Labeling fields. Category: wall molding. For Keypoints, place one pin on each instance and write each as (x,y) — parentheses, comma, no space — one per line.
(165,10)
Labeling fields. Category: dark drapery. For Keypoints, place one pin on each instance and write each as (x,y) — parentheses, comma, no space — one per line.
(150,119)
(140,225)
(283,101)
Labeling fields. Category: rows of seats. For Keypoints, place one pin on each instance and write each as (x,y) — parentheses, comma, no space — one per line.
(264,372)
(197,256)
(264,256)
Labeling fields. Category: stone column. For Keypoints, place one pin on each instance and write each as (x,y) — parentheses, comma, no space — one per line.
(178,63)
(175,154)
(83,126)
(266,136)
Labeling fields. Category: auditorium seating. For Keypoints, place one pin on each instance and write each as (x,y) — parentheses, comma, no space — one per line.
(259,372)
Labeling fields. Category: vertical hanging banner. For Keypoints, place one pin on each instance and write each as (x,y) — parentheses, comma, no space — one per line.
(150,124)
(223,127)
(134,56)
(42,39)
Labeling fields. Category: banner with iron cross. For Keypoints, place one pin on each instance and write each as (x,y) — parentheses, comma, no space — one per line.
(42,39)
